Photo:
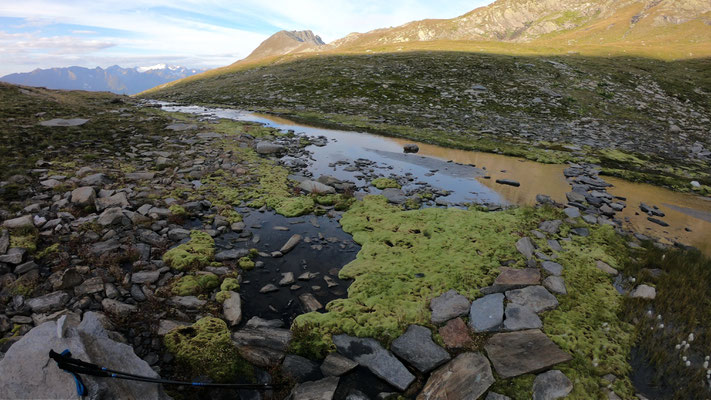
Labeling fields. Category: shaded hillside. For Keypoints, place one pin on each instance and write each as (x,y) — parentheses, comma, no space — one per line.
(654,109)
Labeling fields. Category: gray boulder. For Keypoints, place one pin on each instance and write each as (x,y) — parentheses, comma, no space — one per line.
(551,385)
(300,368)
(526,247)
(487,313)
(26,221)
(232,309)
(27,373)
(336,365)
(466,377)
(395,196)
(316,187)
(268,148)
(83,196)
(447,306)
(370,354)
(317,390)
(537,298)
(417,348)
(49,302)
(519,317)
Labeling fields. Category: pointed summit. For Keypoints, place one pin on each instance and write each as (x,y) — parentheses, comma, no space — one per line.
(285,42)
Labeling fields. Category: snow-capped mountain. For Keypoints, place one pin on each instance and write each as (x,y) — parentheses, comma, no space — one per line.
(113,79)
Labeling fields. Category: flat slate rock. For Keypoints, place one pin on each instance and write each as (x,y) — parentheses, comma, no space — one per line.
(537,298)
(466,377)
(455,334)
(551,227)
(370,354)
(555,284)
(523,352)
(336,365)
(551,385)
(552,268)
(300,368)
(512,278)
(526,247)
(417,348)
(520,317)
(606,268)
(316,390)
(64,122)
(487,313)
(447,306)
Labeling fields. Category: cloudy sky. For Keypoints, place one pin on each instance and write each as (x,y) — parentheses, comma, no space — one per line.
(193,33)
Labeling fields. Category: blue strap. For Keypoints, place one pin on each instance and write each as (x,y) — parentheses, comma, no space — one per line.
(81,389)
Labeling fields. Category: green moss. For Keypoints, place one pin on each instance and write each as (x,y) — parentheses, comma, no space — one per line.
(518,388)
(54,248)
(231,215)
(222,295)
(385,183)
(178,210)
(24,238)
(246,263)
(326,199)
(186,286)
(206,348)
(230,284)
(208,281)
(294,206)
(197,253)
(452,249)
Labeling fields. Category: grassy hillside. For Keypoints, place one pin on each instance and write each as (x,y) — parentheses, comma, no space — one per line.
(641,118)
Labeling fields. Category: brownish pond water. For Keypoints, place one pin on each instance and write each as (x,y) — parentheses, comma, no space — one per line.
(689,216)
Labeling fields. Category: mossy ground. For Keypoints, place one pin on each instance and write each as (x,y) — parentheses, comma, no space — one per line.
(385,183)
(199,252)
(683,300)
(410,257)
(206,348)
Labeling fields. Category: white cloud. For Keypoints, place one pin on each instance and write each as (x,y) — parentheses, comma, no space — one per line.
(195,31)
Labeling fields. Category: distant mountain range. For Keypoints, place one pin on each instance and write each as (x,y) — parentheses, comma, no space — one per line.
(112,79)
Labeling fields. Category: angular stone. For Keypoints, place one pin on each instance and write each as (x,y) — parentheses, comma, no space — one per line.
(268,148)
(487,313)
(117,308)
(300,369)
(49,302)
(287,278)
(232,309)
(118,200)
(323,389)
(83,196)
(606,268)
(166,325)
(142,277)
(508,182)
(394,195)
(555,284)
(644,292)
(417,348)
(268,288)
(523,352)
(95,180)
(467,377)
(410,148)
(27,372)
(178,234)
(272,338)
(370,354)
(263,357)
(551,385)
(309,302)
(189,302)
(537,298)
(575,197)
(553,268)
(26,267)
(512,278)
(551,227)
(4,241)
(290,244)
(519,317)
(455,334)
(336,365)
(90,286)
(316,187)
(232,254)
(447,306)
(26,221)
(526,247)
(572,212)
(584,232)
(111,216)
(554,245)
(14,256)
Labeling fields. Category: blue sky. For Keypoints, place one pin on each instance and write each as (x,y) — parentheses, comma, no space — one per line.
(193,33)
